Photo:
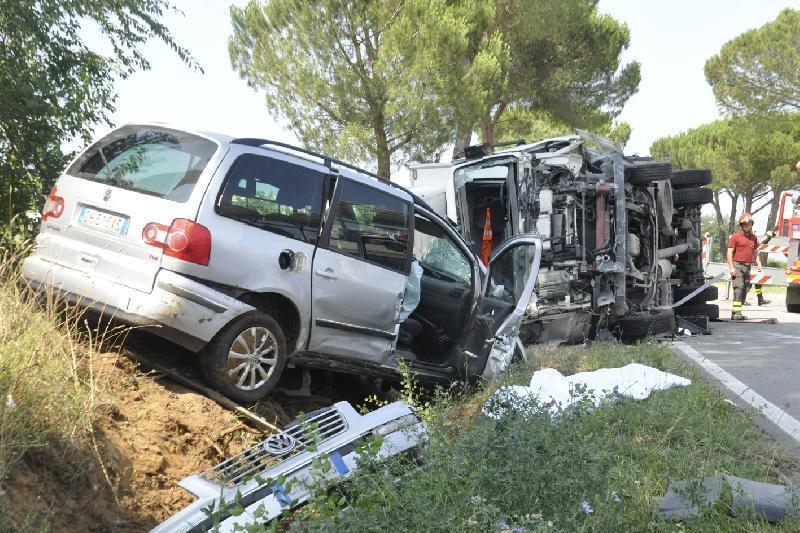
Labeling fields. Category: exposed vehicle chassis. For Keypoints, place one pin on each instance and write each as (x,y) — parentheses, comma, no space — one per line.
(617,238)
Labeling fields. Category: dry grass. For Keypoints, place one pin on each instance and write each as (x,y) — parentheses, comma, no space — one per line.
(48,356)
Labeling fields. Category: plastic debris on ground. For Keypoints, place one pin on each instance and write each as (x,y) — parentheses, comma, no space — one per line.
(551,390)
(685,499)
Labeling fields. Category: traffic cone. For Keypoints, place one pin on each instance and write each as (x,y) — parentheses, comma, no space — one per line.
(486,246)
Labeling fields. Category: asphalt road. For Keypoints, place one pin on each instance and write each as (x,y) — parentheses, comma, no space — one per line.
(762,361)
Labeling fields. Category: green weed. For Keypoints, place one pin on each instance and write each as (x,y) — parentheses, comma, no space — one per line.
(586,470)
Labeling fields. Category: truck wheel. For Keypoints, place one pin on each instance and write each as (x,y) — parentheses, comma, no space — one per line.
(694,196)
(640,325)
(698,309)
(709,293)
(683,179)
(246,359)
(793,299)
(646,172)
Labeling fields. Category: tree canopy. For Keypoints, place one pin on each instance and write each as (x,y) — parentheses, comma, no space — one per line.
(759,71)
(400,78)
(367,80)
(565,63)
(55,88)
(748,157)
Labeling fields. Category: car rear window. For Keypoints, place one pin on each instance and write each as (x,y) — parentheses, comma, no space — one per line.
(154,161)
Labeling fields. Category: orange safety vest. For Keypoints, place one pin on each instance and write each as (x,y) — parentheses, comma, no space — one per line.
(486,246)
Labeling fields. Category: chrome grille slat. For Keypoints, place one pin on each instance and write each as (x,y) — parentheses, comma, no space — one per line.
(248,463)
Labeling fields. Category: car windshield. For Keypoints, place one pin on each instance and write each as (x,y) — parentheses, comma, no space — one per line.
(493,169)
(154,161)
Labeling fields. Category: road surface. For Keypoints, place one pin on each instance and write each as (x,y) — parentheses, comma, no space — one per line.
(756,365)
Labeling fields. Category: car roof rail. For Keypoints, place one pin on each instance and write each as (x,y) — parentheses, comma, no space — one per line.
(328,162)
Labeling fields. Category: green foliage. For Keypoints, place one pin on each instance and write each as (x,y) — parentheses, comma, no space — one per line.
(365,80)
(565,64)
(750,158)
(518,123)
(55,89)
(759,71)
(533,471)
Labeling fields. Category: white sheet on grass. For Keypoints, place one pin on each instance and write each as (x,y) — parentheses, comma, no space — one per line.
(553,391)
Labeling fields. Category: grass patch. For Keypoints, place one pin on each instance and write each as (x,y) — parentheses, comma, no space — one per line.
(541,474)
(48,396)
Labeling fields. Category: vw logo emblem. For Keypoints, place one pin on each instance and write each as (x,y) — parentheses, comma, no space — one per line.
(107,195)
(280,444)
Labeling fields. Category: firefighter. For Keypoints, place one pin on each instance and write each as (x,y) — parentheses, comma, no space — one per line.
(741,254)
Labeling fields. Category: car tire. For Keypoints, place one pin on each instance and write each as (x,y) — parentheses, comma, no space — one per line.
(646,172)
(698,309)
(690,197)
(259,346)
(640,325)
(683,179)
(709,293)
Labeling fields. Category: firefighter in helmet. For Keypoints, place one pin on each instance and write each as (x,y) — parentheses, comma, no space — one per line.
(742,252)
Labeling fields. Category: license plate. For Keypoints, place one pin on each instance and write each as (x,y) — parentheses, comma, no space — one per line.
(103,221)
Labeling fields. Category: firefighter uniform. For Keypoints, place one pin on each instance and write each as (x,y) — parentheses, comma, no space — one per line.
(744,255)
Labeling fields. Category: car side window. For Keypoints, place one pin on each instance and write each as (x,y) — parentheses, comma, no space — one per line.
(274,195)
(371,225)
(439,256)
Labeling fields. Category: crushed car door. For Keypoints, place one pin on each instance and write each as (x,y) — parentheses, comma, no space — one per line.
(491,336)
(359,273)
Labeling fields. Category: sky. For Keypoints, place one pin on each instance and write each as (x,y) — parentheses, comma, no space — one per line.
(671,39)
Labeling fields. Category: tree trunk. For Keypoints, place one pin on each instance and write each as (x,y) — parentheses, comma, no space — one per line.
(748,201)
(732,217)
(722,235)
(462,142)
(487,132)
(382,147)
(774,207)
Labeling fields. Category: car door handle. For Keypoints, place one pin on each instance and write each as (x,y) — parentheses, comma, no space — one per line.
(327,273)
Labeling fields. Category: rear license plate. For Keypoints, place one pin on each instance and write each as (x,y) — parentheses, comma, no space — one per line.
(103,221)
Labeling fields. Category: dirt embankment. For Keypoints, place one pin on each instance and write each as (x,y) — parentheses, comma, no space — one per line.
(150,434)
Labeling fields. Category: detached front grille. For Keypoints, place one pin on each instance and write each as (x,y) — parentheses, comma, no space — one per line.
(317,426)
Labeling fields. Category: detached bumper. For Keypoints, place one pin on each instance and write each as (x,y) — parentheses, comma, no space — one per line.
(250,478)
(178,309)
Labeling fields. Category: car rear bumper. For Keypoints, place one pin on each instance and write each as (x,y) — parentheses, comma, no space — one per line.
(178,309)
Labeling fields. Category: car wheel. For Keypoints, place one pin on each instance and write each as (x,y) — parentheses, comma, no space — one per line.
(639,325)
(683,179)
(694,196)
(698,309)
(709,293)
(646,172)
(246,359)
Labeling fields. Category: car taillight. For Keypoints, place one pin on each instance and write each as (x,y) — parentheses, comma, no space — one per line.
(53,205)
(183,239)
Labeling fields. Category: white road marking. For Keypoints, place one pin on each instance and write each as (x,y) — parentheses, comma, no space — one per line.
(777,416)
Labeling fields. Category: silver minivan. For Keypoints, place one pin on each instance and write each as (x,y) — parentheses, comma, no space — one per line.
(258,255)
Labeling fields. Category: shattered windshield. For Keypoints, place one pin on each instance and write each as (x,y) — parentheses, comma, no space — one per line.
(438,255)
(496,168)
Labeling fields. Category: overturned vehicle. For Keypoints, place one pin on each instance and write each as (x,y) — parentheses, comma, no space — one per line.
(621,235)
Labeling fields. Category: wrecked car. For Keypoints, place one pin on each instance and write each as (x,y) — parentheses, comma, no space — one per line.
(626,257)
(257,485)
(259,255)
